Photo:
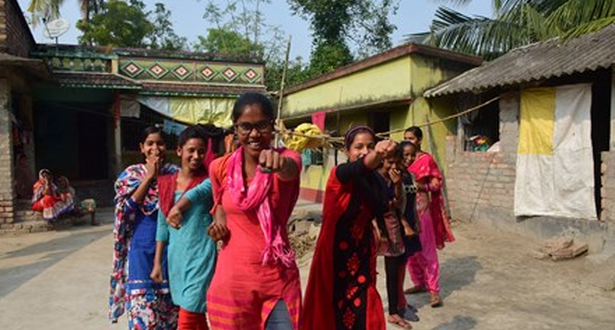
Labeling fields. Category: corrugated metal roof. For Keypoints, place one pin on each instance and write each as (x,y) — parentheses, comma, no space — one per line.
(94,80)
(537,61)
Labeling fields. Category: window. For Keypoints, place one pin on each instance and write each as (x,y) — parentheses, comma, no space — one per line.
(480,128)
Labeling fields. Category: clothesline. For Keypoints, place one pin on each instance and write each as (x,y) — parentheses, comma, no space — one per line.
(327,139)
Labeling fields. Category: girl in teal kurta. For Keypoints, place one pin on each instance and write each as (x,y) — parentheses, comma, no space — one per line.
(191,253)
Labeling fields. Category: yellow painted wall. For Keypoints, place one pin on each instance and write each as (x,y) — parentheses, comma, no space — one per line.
(387,81)
(424,73)
(347,120)
(434,136)
(427,72)
(316,176)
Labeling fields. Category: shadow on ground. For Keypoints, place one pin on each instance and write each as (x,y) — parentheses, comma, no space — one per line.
(455,273)
(41,256)
(458,322)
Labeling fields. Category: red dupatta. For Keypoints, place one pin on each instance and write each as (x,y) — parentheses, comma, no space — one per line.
(425,169)
(167,185)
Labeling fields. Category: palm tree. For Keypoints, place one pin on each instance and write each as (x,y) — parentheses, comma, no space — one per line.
(515,23)
(50,9)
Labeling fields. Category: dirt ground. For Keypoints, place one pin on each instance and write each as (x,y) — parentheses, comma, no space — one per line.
(490,280)
(59,280)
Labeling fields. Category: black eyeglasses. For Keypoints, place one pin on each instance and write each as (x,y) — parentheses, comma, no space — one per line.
(262,127)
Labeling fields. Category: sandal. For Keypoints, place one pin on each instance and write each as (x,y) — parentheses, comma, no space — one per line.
(397,321)
(435,300)
(409,314)
(415,289)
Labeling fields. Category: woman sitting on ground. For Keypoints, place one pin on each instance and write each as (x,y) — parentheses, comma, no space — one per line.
(46,198)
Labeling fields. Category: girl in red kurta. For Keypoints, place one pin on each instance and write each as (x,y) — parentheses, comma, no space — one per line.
(341,292)
(256,283)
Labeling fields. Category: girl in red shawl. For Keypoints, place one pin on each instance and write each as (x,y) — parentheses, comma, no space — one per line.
(46,198)
(424,267)
(256,282)
(341,292)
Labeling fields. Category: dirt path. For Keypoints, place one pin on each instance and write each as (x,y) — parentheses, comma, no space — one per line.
(59,281)
(491,282)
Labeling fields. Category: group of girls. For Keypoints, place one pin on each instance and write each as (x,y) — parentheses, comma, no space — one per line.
(385,200)
(168,272)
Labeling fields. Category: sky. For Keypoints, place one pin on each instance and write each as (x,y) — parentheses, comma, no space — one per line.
(187,17)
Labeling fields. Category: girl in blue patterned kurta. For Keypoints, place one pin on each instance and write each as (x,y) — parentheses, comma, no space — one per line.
(191,252)
(148,304)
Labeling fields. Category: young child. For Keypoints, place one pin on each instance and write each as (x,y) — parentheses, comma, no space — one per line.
(191,253)
(399,231)
(410,221)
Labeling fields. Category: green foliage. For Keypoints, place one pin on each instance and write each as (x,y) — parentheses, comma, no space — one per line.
(163,36)
(339,23)
(296,73)
(50,9)
(44,10)
(516,23)
(120,24)
(128,24)
(327,57)
(240,29)
(221,41)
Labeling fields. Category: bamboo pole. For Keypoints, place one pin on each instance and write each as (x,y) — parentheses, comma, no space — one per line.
(281,93)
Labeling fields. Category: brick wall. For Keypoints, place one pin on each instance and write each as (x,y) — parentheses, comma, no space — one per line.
(480,185)
(6,156)
(15,35)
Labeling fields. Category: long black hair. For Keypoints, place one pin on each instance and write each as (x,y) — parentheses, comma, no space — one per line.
(216,134)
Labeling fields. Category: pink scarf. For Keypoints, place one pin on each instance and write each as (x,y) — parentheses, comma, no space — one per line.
(256,199)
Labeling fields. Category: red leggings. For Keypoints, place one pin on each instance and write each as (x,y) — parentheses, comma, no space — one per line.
(191,321)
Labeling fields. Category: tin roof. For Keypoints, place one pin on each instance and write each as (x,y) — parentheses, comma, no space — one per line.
(542,60)
(95,80)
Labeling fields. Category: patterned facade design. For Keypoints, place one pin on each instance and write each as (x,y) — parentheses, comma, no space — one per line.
(158,73)
(191,71)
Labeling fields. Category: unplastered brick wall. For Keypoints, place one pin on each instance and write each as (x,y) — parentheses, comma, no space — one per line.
(480,185)
(608,187)
(6,157)
(15,35)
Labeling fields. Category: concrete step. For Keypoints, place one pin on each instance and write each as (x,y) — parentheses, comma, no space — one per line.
(24,227)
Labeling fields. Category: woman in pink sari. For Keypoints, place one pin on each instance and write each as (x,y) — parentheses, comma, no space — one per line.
(424,267)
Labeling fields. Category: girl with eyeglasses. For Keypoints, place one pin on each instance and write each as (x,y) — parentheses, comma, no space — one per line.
(255,188)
